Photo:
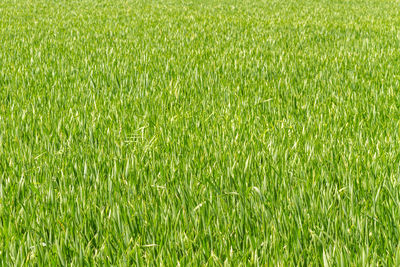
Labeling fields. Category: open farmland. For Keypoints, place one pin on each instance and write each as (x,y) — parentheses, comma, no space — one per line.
(214,132)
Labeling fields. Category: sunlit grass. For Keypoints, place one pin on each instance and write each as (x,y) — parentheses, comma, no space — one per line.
(199,132)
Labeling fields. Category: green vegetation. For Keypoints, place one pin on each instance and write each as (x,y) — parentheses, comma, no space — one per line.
(199,132)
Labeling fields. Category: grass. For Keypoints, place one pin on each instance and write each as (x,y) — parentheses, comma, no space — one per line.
(199,132)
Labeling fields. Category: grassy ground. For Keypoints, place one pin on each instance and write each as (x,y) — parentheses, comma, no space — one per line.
(199,132)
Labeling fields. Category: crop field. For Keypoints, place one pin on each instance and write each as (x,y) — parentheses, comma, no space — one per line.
(202,132)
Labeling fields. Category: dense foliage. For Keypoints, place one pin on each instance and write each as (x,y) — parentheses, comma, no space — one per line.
(199,132)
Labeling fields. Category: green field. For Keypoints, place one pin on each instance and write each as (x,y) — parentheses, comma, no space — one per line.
(213,132)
